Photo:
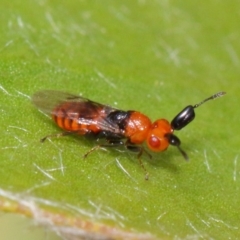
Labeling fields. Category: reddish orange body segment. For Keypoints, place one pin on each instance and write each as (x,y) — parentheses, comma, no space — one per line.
(137,127)
(68,114)
(157,140)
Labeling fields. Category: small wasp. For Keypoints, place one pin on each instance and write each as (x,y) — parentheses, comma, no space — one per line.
(75,114)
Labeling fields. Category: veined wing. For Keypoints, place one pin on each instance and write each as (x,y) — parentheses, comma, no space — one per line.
(87,112)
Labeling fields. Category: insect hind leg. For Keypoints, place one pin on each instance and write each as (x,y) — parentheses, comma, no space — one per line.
(55,135)
(62,134)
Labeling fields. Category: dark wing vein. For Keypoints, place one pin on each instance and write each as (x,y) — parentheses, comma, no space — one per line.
(47,100)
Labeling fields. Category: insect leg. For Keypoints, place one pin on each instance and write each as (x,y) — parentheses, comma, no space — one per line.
(110,143)
(91,150)
(56,135)
(140,150)
(62,134)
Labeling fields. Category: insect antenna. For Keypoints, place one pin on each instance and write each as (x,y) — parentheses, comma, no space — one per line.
(184,154)
(214,96)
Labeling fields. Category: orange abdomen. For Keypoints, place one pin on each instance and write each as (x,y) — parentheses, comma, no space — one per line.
(73,116)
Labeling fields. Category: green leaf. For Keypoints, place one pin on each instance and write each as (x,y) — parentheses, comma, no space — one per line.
(155,57)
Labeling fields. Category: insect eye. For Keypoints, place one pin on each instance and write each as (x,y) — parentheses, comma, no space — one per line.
(157,143)
(154,142)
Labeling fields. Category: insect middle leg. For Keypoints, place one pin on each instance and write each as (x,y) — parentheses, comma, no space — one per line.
(140,150)
(110,143)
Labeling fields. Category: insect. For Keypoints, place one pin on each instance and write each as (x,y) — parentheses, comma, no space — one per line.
(75,114)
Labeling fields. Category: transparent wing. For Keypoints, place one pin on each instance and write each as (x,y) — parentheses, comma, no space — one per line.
(47,100)
(87,111)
